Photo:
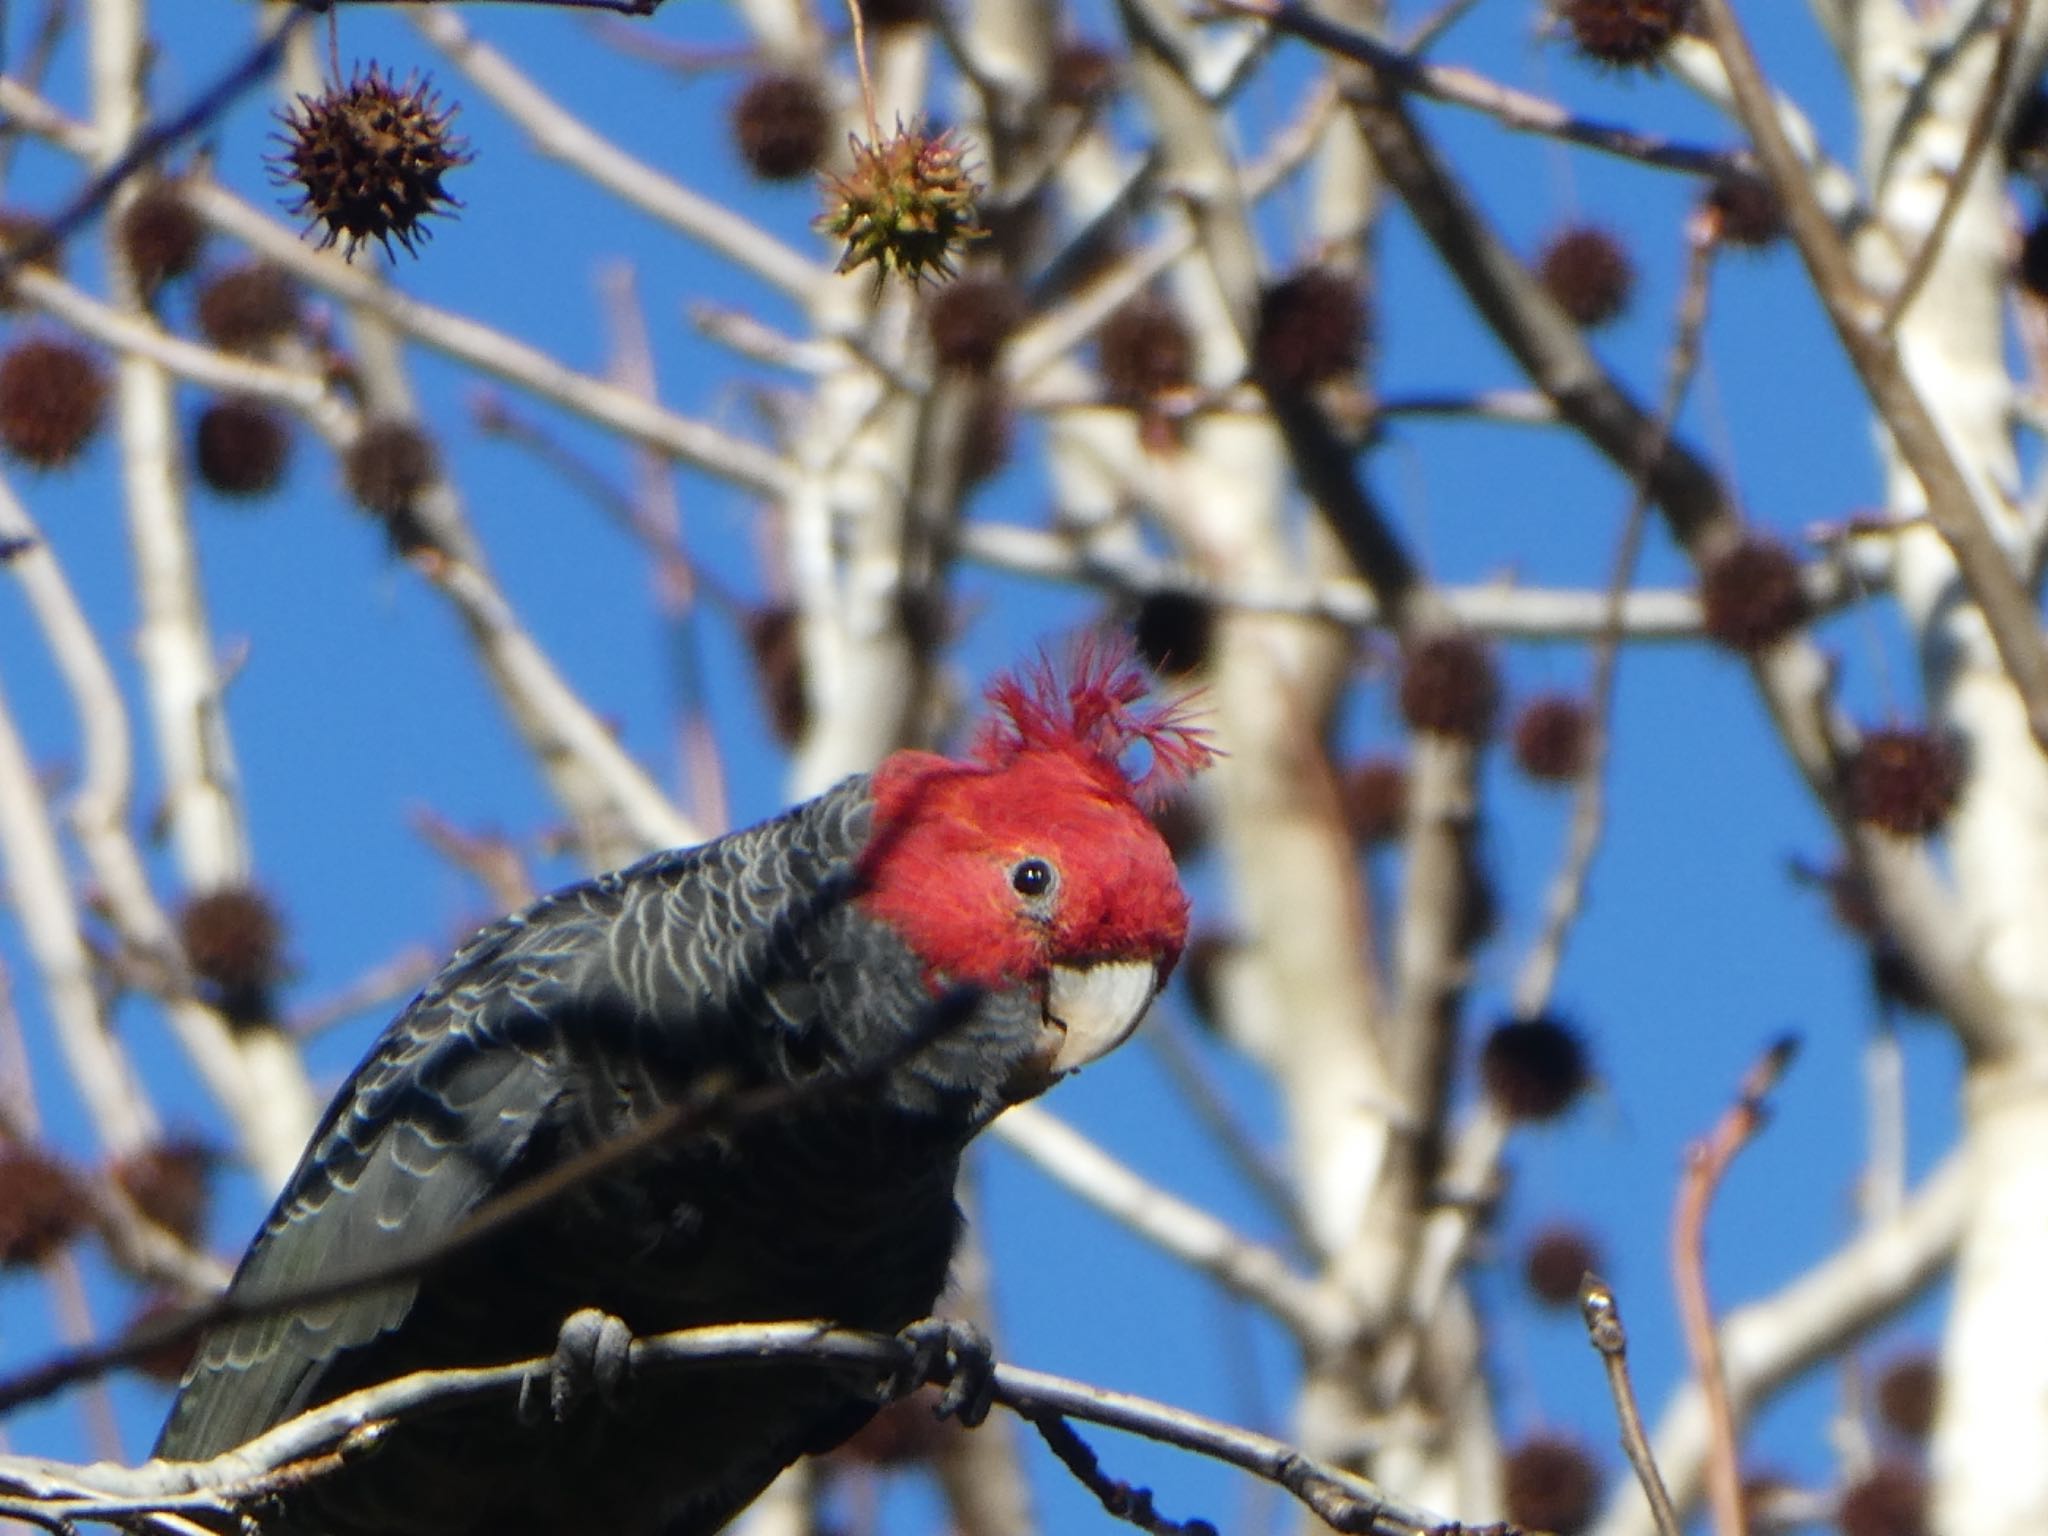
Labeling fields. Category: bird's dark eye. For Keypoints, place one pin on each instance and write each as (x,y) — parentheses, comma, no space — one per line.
(1031,877)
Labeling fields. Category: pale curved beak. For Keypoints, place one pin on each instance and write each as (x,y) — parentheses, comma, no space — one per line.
(1096,1007)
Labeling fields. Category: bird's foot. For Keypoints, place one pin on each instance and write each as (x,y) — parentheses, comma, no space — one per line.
(593,1357)
(955,1354)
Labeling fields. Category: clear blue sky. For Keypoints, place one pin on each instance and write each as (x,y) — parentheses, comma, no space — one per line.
(356,705)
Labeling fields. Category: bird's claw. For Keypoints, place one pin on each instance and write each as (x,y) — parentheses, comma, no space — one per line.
(593,1356)
(954,1353)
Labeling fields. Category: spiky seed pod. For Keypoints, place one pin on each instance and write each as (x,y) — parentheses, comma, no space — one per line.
(1449,687)
(1375,793)
(1083,73)
(1146,351)
(169,1361)
(1311,328)
(241,447)
(234,941)
(907,205)
(1557,1259)
(1624,34)
(1174,632)
(1903,780)
(368,158)
(771,637)
(2033,264)
(53,396)
(987,439)
(389,467)
(1533,1069)
(782,125)
(1551,1484)
(19,229)
(41,1206)
(1751,595)
(1588,272)
(1553,738)
(971,319)
(170,1183)
(248,307)
(1908,1393)
(1889,1500)
(1746,211)
(904,1433)
(161,236)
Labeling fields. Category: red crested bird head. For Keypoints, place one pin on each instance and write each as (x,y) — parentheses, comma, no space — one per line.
(1031,864)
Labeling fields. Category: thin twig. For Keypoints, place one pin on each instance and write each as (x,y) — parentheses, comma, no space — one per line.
(1604,1328)
(1127,1503)
(1982,124)
(1705,1164)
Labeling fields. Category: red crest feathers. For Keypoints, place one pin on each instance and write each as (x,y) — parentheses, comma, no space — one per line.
(1091,707)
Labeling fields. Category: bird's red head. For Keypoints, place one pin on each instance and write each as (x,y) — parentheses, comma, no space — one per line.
(1032,862)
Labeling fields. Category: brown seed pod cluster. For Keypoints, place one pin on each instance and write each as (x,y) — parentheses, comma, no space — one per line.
(1587,270)
(907,204)
(41,1206)
(1174,632)
(1908,1393)
(1751,595)
(368,158)
(234,941)
(782,125)
(1449,687)
(970,320)
(241,447)
(387,470)
(1145,351)
(1375,794)
(1551,1484)
(248,307)
(53,397)
(1746,211)
(170,1183)
(1903,780)
(1624,34)
(1311,328)
(1534,1069)
(161,236)
(1889,1500)
(1556,1261)
(1553,738)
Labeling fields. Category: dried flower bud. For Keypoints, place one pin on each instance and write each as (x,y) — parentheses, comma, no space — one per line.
(161,236)
(1587,271)
(171,1183)
(41,1206)
(970,320)
(1375,793)
(1890,1500)
(1751,595)
(782,125)
(907,205)
(1448,687)
(1556,1261)
(248,307)
(1551,1484)
(1905,781)
(241,447)
(1146,351)
(1311,328)
(368,159)
(53,396)
(1533,1069)
(1624,34)
(1908,1393)
(1553,738)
